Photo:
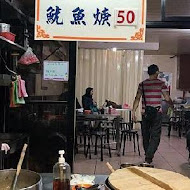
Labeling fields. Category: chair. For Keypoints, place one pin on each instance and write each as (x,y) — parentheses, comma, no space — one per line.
(127,131)
(1,160)
(186,121)
(100,133)
(111,128)
(87,135)
(81,133)
(176,123)
(177,120)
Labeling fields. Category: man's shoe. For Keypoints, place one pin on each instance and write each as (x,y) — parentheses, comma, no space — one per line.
(148,160)
(146,164)
(189,161)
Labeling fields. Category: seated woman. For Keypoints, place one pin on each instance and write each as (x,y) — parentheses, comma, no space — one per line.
(88,102)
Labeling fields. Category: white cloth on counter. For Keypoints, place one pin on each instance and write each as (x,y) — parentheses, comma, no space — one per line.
(82,179)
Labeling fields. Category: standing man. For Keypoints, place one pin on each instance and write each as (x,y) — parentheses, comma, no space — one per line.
(151,91)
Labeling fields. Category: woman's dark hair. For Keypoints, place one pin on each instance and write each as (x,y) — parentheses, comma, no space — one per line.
(152,69)
(88,90)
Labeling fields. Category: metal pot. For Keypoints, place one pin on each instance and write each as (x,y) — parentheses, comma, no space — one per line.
(27,180)
(4,27)
(107,185)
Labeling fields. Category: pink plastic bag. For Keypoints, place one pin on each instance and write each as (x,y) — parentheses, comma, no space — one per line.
(126,106)
(28,57)
(114,112)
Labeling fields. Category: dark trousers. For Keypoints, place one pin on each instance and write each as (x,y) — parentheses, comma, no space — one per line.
(188,141)
(151,133)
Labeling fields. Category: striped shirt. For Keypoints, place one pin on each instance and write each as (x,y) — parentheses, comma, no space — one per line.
(153,90)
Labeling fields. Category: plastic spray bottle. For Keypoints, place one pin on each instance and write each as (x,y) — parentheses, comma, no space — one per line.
(61,174)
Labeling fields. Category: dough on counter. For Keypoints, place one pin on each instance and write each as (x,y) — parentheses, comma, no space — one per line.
(142,178)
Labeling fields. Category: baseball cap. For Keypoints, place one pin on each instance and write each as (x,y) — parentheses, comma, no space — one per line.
(152,69)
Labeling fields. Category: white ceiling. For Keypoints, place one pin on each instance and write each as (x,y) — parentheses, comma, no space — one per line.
(169,42)
(119,45)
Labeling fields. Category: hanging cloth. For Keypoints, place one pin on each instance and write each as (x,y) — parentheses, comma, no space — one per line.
(17,92)
(21,88)
(12,97)
(16,95)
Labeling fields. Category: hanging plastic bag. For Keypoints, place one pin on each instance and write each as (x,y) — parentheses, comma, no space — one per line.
(28,57)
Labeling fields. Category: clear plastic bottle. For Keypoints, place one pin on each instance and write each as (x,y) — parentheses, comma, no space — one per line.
(61,174)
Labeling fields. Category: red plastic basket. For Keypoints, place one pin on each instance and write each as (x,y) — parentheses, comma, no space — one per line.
(8,35)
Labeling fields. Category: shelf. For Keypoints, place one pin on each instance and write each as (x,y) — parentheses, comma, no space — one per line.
(45,102)
(7,43)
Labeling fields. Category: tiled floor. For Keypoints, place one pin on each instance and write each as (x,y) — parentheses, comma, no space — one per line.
(171,155)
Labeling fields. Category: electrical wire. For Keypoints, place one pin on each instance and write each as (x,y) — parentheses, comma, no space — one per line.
(5,64)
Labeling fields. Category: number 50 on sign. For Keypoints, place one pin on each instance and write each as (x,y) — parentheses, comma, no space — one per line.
(126,17)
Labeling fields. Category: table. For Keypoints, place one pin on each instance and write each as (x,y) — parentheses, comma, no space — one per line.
(47,180)
(181,119)
(103,117)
